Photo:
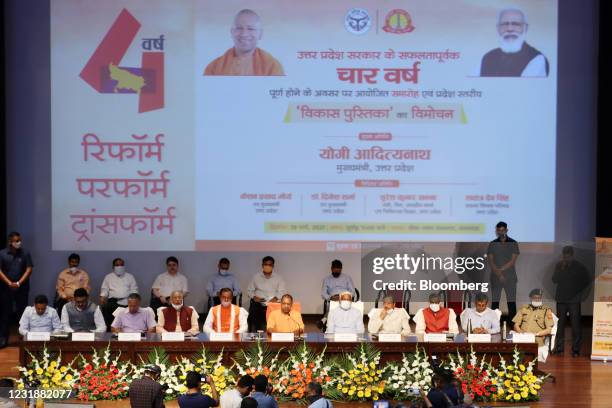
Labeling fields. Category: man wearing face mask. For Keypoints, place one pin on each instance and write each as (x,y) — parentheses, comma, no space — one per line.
(481,319)
(223,279)
(336,283)
(265,287)
(15,270)
(501,256)
(166,283)
(69,280)
(226,317)
(389,319)
(435,318)
(535,318)
(82,315)
(178,318)
(346,318)
(39,318)
(514,57)
(116,287)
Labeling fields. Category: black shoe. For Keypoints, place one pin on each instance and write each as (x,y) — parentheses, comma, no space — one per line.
(575,354)
(558,351)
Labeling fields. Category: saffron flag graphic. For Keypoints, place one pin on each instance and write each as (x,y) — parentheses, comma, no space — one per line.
(104,74)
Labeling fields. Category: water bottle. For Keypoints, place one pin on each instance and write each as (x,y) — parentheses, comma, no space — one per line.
(504,331)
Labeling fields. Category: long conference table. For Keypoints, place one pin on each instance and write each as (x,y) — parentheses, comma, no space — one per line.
(390,351)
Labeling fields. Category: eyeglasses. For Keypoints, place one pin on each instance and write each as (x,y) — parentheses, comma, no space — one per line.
(513,24)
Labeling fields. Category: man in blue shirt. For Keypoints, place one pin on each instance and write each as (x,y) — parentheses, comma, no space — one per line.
(15,270)
(262,393)
(39,318)
(194,398)
(314,395)
(223,279)
(336,283)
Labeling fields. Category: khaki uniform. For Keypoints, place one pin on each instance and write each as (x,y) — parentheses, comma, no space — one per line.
(535,320)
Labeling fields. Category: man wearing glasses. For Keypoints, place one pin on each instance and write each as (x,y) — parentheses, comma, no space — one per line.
(514,57)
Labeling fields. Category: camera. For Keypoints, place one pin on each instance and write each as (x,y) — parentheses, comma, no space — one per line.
(204,378)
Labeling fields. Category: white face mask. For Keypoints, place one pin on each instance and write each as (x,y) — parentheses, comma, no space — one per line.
(435,307)
(17,244)
(536,303)
(226,303)
(223,272)
(177,307)
(345,304)
(73,269)
(119,270)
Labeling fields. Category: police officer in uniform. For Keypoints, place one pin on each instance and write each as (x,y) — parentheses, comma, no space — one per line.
(534,318)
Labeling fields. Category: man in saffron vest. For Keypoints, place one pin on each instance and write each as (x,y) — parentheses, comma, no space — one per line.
(226,317)
(177,317)
(435,318)
(245,58)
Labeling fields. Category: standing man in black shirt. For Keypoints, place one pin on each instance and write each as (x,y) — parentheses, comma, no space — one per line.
(501,256)
(572,278)
(15,270)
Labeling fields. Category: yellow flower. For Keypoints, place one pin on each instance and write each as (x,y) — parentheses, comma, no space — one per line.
(372,365)
(368,393)
(53,364)
(39,371)
(344,390)
(500,391)
(63,369)
(536,386)
(68,377)
(510,368)
(507,383)
(375,397)
(522,367)
(351,392)
(517,397)
(360,394)
(339,386)
(534,392)
(524,394)
(521,383)
(516,378)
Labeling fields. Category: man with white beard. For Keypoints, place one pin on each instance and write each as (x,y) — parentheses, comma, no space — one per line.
(514,57)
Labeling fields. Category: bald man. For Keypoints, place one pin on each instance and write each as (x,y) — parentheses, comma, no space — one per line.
(245,58)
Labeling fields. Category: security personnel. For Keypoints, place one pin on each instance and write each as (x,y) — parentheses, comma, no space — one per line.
(534,318)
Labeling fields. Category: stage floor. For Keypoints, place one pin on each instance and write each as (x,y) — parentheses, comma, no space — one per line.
(579,382)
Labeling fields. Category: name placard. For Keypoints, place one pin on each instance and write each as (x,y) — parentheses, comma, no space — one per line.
(435,337)
(479,338)
(523,338)
(83,336)
(390,337)
(345,336)
(221,336)
(283,337)
(173,336)
(128,337)
(38,336)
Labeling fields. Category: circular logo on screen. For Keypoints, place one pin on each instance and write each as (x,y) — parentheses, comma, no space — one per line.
(357,21)
(398,21)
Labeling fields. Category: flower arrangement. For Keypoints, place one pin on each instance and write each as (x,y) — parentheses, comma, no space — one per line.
(171,373)
(207,363)
(256,360)
(103,377)
(474,375)
(413,374)
(302,367)
(47,371)
(516,382)
(359,375)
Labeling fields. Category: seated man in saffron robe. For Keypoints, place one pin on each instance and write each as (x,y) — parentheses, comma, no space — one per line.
(245,58)
(226,317)
(435,318)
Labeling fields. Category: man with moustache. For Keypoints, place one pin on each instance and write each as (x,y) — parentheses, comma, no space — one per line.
(514,57)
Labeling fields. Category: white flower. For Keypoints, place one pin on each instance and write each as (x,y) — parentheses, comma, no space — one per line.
(396,385)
